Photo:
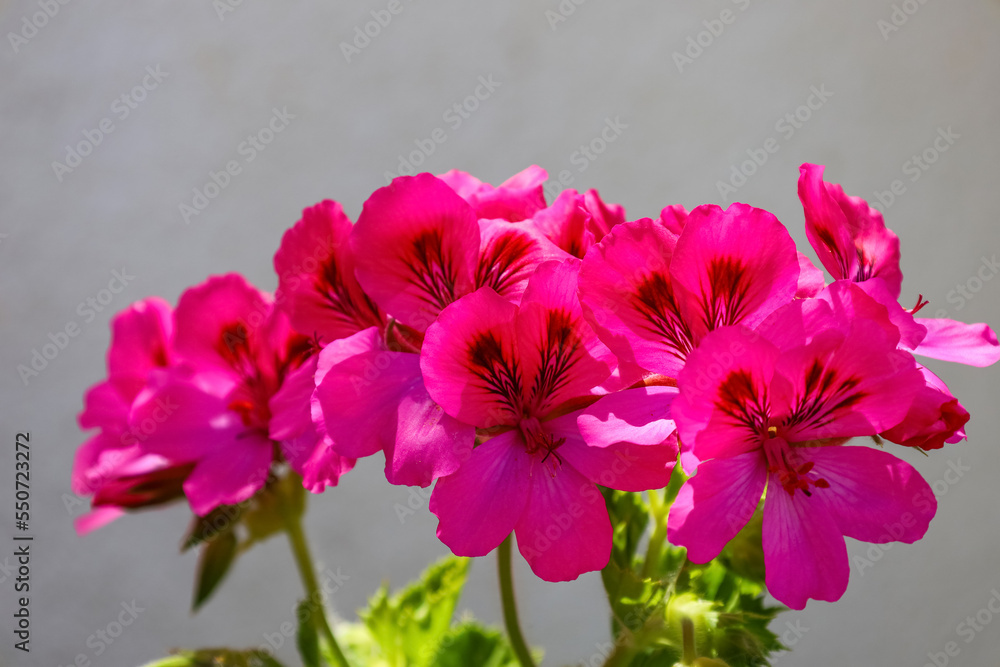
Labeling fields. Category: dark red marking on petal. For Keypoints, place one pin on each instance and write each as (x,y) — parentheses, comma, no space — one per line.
(654,299)
(825,395)
(498,373)
(739,399)
(360,314)
(504,261)
(559,350)
(432,269)
(151,488)
(825,237)
(729,285)
(233,345)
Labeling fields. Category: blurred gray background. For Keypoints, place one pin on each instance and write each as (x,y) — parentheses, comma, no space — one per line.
(929,69)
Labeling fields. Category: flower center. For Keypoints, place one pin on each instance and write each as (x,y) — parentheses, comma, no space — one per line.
(784,464)
(538,440)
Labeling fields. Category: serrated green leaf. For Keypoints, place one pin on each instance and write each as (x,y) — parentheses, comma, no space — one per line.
(471,644)
(214,562)
(407,626)
(307,636)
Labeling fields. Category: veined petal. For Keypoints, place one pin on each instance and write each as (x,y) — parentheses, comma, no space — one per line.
(416,246)
(628,296)
(948,340)
(736,267)
(567,223)
(509,254)
(804,551)
(559,354)
(564,529)
(470,361)
(873,496)
(724,406)
(479,505)
(715,504)
(936,417)
(849,236)
(316,283)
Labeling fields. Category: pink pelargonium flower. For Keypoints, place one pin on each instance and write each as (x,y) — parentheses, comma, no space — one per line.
(418,247)
(772,413)
(575,222)
(111,466)
(518,198)
(235,351)
(854,244)
(653,292)
(935,418)
(316,283)
(520,374)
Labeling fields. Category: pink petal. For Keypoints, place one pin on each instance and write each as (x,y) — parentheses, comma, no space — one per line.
(509,254)
(567,223)
(416,246)
(470,363)
(316,283)
(948,340)
(723,406)
(479,505)
(224,477)
(603,216)
(674,217)
(936,417)
(628,297)
(641,416)
(517,198)
(140,341)
(715,504)
(96,518)
(564,530)
(849,236)
(289,406)
(736,265)
(804,551)
(811,280)
(873,496)
(560,355)
(623,465)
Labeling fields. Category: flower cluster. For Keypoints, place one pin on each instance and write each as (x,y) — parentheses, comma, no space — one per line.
(521,355)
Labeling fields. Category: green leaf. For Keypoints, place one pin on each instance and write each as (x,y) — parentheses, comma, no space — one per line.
(307,637)
(217,657)
(409,625)
(629,516)
(269,511)
(216,558)
(471,644)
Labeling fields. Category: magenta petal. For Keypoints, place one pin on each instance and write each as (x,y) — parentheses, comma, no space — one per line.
(811,280)
(948,340)
(564,530)
(804,551)
(873,496)
(416,246)
(936,417)
(715,504)
(469,360)
(641,416)
(479,505)
(623,465)
(289,406)
(96,518)
(517,198)
(737,265)
(567,223)
(226,478)
(140,341)
(429,443)
(509,254)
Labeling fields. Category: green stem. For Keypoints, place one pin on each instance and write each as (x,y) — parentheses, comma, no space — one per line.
(510,605)
(300,549)
(657,511)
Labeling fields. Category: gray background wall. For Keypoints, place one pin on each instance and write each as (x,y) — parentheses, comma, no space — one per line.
(119,208)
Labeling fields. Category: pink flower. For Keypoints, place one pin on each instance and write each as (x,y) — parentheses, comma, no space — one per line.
(652,293)
(771,412)
(111,465)
(235,352)
(518,198)
(520,374)
(854,244)
(576,222)
(936,417)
